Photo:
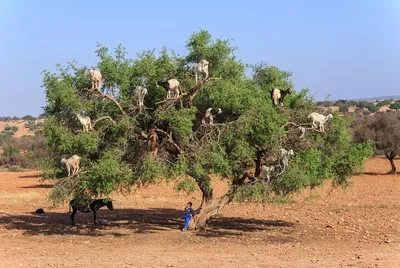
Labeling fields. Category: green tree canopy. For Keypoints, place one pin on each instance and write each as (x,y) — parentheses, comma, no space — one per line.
(249,132)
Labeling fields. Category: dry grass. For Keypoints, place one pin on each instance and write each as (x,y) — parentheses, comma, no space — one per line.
(19,198)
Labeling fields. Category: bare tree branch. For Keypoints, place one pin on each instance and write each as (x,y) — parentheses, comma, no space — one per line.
(101,118)
(101,94)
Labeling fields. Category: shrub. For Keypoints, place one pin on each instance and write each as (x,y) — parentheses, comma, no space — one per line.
(15,168)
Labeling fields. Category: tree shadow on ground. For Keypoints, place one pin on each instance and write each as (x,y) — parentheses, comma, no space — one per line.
(33,176)
(234,226)
(38,186)
(378,173)
(122,222)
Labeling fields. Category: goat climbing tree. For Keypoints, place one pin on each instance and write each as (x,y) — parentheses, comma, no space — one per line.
(115,156)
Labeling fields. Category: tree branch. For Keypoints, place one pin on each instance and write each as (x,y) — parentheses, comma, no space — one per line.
(101,118)
(170,139)
(101,94)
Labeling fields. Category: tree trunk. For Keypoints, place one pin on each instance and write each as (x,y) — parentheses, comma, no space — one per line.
(391,157)
(209,209)
(204,183)
(211,206)
(257,172)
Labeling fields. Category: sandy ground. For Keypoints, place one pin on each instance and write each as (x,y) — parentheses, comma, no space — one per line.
(357,227)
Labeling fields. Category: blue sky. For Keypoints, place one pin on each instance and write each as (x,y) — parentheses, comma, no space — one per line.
(346,48)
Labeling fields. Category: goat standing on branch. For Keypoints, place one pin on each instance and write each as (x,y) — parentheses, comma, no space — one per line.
(95,77)
(72,163)
(85,121)
(200,69)
(140,92)
(283,159)
(265,172)
(320,119)
(278,95)
(209,114)
(152,141)
(171,85)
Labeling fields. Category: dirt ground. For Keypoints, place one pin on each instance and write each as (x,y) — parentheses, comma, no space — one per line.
(356,227)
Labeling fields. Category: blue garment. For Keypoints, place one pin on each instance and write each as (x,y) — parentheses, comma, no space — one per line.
(187,220)
(187,216)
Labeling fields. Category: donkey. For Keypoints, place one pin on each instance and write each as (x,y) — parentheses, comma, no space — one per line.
(88,205)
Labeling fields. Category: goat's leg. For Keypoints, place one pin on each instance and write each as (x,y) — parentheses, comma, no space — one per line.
(74,210)
(69,170)
(211,120)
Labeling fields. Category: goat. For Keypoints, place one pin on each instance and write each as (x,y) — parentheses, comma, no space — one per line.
(199,69)
(140,92)
(320,119)
(72,162)
(210,113)
(278,95)
(171,85)
(88,205)
(95,77)
(283,158)
(152,141)
(302,132)
(85,121)
(265,172)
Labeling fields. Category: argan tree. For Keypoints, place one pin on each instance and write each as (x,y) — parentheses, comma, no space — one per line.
(384,130)
(165,140)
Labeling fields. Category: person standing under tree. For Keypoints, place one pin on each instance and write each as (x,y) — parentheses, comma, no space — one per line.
(187,216)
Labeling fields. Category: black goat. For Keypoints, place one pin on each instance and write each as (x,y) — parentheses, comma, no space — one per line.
(278,95)
(88,205)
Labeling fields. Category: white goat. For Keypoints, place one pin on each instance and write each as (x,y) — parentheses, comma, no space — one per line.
(95,77)
(302,132)
(85,121)
(200,69)
(265,172)
(140,92)
(320,119)
(283,158)
(171,85)
(210,113)
(72,163)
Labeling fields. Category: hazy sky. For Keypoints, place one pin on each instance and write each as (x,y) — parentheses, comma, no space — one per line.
(348,48)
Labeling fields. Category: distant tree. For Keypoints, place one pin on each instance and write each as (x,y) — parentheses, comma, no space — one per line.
(10,129)
(31,125)
(384,130)
(362,104)
(325,103)
(343,108)
(366,112)
(372,108)
(28,117)
(395,105)
(383,103)
(42,116)
(10,151)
